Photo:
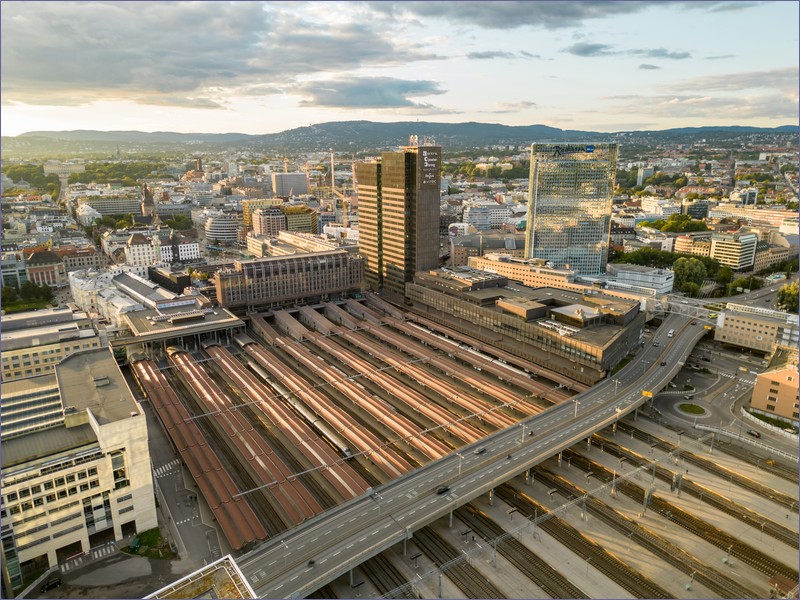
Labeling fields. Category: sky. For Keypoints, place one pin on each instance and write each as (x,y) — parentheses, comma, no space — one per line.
(265,67)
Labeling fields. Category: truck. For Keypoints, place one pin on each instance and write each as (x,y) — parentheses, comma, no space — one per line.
(670,333)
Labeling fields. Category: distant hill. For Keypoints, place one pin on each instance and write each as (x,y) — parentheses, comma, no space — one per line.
(352,136)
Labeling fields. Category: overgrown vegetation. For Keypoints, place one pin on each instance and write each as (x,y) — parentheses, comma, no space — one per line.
(151,544)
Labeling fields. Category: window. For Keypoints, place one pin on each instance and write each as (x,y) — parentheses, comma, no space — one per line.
(771,407)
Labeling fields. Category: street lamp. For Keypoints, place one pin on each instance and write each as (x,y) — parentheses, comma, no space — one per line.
(577,402)
(616,384)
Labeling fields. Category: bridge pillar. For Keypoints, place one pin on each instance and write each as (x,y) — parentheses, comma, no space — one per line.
(491,497)
(451,522)
(559,459)
(440,584)
(589,443)
(528,476)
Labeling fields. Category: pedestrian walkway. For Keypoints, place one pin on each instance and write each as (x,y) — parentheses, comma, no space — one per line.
(167,468)
(95,553)
(734,376)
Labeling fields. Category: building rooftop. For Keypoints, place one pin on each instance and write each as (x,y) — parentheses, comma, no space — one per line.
(180,321)
(49,442)
(221,579)
(91,379)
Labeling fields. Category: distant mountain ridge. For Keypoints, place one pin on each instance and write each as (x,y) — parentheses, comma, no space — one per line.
(356,135)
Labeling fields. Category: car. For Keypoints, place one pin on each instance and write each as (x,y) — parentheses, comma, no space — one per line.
(442,489)
(480,450)
(663,363)
(754,433)
(655,344)
(672,385)
(53,581)
(705,358)
(688,397)
(694,322)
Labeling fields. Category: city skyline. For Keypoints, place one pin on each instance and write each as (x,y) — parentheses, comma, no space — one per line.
(265,67)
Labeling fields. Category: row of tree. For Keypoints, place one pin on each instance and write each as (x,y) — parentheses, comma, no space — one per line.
(788,297)
(28,291)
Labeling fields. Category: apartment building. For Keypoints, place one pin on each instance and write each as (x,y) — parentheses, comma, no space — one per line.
(83,479)
(775,394)
(268,221)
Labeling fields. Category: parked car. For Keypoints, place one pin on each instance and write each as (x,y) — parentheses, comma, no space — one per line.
(754,433)
(53,581)
(672,385)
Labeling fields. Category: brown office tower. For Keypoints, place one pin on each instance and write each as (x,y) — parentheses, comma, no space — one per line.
(398,216)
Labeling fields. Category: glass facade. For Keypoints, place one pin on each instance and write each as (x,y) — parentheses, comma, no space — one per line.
(569,205)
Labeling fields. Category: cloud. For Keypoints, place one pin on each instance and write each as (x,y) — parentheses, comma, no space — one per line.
(647,67)
(510,15)
(368,92)
(721,56)
(512,107)
(181,53)
(490,54)
(590,49)
(529,54)
(711,109)
(784,80)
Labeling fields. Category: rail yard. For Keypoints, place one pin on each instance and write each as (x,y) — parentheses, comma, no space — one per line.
(315,406)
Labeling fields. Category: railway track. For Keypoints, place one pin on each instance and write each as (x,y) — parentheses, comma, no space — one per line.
(717,582)
(268,516)
(770,465)
(605,562)
(325,591)
(718,501)
(744,482)
(386,577)
(466,577)
(705,531)
(515,552)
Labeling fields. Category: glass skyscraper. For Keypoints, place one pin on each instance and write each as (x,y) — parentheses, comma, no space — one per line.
(569,205)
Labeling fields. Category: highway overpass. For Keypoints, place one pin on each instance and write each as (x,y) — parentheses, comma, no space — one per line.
(344,537)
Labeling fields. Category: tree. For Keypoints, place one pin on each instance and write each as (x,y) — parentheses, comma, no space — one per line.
(724,275)
(691,289)
(9,294)
(788,297)
(44,293)
(28,290)
(688,270)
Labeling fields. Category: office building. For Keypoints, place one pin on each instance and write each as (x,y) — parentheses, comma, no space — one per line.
(84,479)
(398,204)
(734,250)
(34,342)
(569,205)
(285,185)
(268,221)
(251,205)
(756,328)
(284,280)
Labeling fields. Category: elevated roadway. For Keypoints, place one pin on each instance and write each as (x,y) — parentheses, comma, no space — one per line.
(344,537)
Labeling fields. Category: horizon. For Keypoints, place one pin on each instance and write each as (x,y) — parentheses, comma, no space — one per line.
(269,67)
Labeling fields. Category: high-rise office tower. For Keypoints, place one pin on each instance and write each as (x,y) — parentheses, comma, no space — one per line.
(398,216)
(569,205)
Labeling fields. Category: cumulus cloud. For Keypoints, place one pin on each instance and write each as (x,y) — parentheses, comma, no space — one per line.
(175,52)
(589,49)
(368,92)
(648,67)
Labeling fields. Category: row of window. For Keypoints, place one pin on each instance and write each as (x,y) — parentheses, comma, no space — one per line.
(59,495)
(49,485)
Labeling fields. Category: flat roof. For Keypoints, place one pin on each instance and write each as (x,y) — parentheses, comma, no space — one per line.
(221,579)
(578,311)
(144,288)
(41,444)
(29,385)
(144,323)
(91,379)
(44,335)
